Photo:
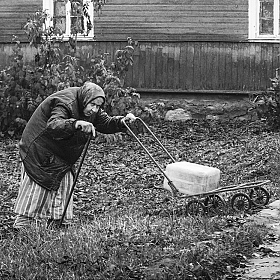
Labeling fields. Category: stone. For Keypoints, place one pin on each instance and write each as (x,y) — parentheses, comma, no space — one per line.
(267,266)
(177,115)
(275,204)
(212,117)
(201,107)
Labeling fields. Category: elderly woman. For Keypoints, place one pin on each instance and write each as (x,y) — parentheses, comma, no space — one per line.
(51,143)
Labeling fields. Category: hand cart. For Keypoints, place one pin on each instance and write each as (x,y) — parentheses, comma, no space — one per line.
(241,199)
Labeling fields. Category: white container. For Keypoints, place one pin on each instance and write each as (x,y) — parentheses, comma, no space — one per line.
(191,178)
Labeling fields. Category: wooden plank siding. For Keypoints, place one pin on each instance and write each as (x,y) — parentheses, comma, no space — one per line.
(191,66)
(148,20)
(14,15)
(184,45)
(173,20)
(187,66)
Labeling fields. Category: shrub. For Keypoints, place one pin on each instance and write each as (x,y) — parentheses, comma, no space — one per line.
(267,103)
(24,86)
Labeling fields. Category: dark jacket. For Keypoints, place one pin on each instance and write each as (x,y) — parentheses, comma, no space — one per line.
(50,144)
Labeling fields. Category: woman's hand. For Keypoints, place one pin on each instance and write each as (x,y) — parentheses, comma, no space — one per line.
(130,118)
(86,127)
(136,126)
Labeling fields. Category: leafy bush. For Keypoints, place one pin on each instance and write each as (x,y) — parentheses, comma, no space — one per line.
(267,103)
(56,66)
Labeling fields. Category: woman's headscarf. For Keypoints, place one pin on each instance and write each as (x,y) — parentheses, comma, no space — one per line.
(88,92)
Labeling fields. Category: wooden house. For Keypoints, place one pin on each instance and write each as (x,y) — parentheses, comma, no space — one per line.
(221,46)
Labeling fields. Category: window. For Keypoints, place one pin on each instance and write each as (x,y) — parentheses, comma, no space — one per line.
(264,19)
(71,17)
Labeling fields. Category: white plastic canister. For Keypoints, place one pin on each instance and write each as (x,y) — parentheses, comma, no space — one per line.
(191,178)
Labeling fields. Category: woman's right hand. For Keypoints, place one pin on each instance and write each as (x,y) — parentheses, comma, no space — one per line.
(86,127)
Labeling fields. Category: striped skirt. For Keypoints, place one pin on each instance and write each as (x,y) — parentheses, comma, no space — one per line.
(34,201)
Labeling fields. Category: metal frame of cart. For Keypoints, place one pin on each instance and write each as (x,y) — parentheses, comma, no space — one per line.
(244,195)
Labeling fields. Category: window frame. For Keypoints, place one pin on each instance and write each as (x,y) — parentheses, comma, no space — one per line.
(48,6)
(254,27)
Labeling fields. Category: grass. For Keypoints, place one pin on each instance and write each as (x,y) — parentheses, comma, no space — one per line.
(127,228)
(129,247)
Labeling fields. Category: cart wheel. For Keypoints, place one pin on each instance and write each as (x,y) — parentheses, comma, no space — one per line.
(195,208)
(259,196)
(240,202)
(214,204)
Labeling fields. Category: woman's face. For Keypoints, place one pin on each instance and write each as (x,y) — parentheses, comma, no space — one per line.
(93,106)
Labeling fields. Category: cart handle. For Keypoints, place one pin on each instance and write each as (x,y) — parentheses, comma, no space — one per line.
(170,183)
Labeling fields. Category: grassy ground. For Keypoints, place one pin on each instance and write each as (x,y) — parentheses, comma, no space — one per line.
(126,227)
